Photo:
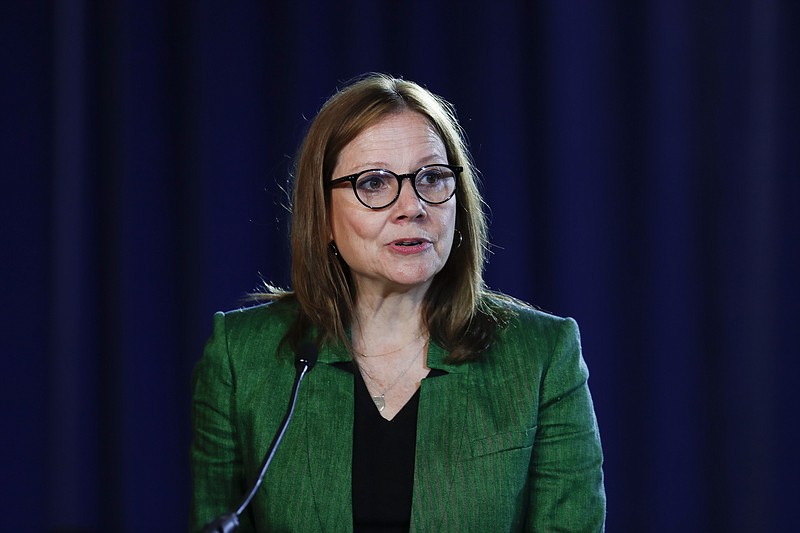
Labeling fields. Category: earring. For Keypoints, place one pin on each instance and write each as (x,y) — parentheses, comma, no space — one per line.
(334,249)
(460,238)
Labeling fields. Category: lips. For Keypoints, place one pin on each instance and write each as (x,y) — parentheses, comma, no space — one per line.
(411,241)
(412,245)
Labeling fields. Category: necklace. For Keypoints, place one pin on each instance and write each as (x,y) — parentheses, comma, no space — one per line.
(392,351)
(380,399)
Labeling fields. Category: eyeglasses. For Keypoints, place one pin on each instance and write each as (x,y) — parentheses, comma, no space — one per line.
(379,188)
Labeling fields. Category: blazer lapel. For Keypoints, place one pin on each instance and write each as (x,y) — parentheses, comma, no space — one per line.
(329,437)
(441,436)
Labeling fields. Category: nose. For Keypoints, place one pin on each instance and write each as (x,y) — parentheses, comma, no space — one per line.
(408,204)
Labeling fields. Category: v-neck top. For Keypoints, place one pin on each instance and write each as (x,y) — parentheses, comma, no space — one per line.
(383,464)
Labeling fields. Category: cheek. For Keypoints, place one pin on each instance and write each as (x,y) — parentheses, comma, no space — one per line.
(339,218)
(449,221)
(351,229)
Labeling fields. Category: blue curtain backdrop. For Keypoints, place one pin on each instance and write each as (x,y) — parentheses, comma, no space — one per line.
(642,165)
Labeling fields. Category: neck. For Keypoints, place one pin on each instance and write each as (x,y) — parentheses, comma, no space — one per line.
(385,323)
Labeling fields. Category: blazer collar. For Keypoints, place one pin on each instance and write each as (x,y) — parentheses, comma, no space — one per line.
(436,359)
(333,352)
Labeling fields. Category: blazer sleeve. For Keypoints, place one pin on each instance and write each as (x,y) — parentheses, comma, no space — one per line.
(566,475)
(216,458)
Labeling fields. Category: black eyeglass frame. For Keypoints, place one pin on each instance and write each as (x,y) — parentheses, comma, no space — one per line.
(352,178)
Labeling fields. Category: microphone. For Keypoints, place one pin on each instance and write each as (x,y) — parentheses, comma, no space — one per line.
(304,361)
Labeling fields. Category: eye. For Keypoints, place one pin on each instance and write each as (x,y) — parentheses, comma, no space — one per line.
(373,182)
(433,177)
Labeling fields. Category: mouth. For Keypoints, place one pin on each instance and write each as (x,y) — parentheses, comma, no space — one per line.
(411,245)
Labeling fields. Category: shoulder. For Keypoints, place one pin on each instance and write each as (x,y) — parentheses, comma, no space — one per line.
(517,317)
(254,329)
(244,344)
(265,316)
(527,333)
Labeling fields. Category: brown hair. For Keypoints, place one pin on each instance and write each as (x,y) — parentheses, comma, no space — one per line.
(456,309)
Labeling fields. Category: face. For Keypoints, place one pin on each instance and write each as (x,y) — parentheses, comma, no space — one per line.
(402,246)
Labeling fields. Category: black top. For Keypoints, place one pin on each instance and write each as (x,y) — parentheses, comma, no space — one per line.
(383,461)
(383,464)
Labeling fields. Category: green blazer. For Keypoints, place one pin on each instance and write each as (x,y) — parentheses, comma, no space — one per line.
(508,443)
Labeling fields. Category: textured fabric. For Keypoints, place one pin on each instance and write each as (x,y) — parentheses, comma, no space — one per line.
(508,443)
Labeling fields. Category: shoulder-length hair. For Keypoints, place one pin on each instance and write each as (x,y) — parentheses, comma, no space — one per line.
(456,309)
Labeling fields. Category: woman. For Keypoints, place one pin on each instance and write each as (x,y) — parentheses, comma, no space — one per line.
(436,404)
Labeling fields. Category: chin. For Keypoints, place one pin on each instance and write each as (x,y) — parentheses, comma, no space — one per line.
(409,279)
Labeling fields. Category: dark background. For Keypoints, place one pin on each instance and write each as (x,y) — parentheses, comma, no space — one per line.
(642,164)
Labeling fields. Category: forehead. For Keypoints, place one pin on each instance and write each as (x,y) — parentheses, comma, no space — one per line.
(397,137)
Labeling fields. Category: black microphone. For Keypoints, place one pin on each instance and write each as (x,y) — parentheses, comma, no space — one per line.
(304,361)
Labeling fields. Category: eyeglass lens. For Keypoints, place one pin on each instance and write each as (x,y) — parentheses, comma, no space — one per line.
(379,188)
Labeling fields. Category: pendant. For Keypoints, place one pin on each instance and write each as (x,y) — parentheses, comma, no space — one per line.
(380,402)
